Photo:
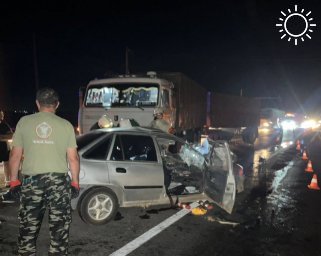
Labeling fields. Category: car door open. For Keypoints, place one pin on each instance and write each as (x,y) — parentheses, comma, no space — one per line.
(219,177)
(190,177)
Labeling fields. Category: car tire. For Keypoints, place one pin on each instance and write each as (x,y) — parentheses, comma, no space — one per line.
(98,206)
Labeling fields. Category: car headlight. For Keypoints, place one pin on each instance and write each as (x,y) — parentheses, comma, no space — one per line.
(105,122)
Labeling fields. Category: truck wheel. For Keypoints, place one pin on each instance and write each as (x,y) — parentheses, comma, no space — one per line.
(250,135)
(279,137)
(98,206)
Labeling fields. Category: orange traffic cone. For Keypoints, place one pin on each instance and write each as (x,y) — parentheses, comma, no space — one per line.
(314,183)
(304,156)
(309,167)
(298,146)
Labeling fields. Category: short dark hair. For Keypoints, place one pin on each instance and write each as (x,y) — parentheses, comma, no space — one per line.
(47,97)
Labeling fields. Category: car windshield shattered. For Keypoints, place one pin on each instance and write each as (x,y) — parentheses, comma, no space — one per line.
(122,95)
(215,153)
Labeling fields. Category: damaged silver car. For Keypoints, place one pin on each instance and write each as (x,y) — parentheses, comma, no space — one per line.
(124,167)
(215,152)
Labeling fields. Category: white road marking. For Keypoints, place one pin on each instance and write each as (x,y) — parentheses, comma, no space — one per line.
(131,246)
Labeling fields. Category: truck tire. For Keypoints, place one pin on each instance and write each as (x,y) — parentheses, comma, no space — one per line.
(250,134)
(279,137)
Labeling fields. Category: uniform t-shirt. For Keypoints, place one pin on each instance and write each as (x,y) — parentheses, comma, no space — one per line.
(45,138)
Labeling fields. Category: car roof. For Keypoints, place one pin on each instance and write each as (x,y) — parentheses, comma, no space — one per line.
(135,129)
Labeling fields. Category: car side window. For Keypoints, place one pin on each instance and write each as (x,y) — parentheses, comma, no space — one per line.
(135,148)
(98,151)
(117,154)
(165,98)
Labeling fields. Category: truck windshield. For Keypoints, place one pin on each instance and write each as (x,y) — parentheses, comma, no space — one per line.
(122,95)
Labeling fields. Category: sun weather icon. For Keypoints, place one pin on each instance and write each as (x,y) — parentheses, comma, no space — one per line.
(296,25)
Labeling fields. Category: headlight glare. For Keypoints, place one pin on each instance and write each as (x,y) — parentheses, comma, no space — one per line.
(308,124)
(288,125)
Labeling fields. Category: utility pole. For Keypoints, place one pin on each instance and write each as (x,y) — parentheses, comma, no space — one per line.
(271,102)
(35,61)
(127,64)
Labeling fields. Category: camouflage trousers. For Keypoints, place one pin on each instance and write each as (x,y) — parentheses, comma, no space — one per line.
(40,192)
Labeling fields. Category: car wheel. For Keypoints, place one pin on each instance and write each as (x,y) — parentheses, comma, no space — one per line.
(98,206)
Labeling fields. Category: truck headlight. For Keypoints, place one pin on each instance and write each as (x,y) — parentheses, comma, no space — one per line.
(288,125)
(105,122)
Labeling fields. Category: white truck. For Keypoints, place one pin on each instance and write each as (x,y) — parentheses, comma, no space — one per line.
(186,106)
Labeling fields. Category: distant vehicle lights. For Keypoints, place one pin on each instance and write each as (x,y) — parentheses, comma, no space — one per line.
(267,124)
(286,144)
(310,124)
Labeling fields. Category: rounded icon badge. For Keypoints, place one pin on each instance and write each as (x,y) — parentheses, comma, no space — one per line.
(43,130)
(287,16)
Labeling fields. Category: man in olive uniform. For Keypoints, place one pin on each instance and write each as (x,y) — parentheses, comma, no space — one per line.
(47,144)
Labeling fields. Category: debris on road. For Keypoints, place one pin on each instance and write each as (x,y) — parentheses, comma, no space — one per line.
(224,222)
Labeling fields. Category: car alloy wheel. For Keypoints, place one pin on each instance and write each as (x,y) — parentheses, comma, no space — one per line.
(99,206)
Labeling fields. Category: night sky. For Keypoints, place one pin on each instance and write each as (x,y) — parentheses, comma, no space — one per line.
(226,46)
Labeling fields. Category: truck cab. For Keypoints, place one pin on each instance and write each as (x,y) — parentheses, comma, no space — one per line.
(270,123)
(122,98)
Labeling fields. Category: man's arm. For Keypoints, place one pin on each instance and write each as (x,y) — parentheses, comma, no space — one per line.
(73,160)
(14,162)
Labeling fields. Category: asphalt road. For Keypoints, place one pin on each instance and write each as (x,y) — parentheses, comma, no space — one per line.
(276,214)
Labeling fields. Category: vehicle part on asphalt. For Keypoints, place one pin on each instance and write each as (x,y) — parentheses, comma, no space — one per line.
(184,206)
(199,211)
(223,222)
